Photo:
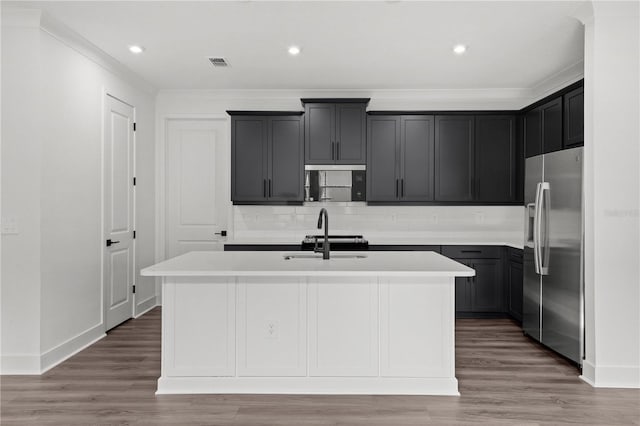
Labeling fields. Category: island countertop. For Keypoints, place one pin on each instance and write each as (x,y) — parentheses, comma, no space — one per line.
(261,263)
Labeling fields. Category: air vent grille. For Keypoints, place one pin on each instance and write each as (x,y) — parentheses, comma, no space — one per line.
(218,62)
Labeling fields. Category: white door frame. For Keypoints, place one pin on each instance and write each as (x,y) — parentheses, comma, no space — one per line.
(103,313)
(161,147)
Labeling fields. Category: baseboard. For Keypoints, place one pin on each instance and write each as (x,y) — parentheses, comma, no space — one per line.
(310,385)
(67,349)
(19,365)
(145,306)
(611,376)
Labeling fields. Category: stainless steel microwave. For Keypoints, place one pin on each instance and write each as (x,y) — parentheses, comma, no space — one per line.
(335,183)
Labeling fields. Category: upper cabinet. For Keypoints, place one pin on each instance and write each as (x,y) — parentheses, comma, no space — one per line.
(454,158)
(496,156)
(400,158)
(543,128)
(443,159)
(267,158)
(574,118)
(335,131)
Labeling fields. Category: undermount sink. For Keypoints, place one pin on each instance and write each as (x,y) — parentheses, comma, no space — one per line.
(319,256)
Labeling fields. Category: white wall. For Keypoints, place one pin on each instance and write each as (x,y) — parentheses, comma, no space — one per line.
(21,183)
(612,194)
(65,252)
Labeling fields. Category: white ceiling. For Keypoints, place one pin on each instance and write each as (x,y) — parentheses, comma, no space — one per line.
(345,45)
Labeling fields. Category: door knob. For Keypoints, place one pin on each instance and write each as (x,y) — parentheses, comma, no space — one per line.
(221,233)
(110,243)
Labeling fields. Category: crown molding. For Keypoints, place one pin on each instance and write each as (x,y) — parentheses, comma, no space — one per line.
(75,41)
(381,99)
(555,82)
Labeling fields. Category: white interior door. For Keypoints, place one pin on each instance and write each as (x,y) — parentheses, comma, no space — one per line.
(197,185)
(118,215)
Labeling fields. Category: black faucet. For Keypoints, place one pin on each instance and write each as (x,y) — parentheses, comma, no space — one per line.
(325,245)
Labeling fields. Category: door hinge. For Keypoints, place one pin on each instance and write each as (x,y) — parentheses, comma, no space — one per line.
(134,127)
(134,235)
(134,289)
(134,181)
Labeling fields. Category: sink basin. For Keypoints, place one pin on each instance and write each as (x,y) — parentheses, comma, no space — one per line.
(319,256)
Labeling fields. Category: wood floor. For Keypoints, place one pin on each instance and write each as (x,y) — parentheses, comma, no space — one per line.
(505,379)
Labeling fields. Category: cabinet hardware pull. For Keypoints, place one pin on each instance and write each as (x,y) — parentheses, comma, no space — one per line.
(397,181)
(264,188)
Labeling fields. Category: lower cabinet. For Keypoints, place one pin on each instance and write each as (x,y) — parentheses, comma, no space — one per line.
(513,280)
(483,293)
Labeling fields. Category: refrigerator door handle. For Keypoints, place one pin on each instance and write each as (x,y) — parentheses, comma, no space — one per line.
(545,198)
(536,230)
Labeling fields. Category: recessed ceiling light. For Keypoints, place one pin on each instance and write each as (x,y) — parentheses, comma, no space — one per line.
(136,49)
(294,50)
(459,49)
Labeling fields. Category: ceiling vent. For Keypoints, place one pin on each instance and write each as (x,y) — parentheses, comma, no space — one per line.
(218,62)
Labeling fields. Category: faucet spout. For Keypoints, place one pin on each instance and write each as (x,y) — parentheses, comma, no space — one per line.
(325,245)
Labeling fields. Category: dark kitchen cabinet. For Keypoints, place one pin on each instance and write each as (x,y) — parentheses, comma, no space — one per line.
(267,159)
(454,158)
(335,131)
(383,140)
(487,294)
(543,128)
(574,118)
(533,132)
(483,294)
(496,158)
(552,125)
(513,281)
(400,158)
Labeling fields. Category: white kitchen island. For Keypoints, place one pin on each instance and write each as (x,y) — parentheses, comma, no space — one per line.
(254,322)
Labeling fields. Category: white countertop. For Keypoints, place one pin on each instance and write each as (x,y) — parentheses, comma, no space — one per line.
(273,263)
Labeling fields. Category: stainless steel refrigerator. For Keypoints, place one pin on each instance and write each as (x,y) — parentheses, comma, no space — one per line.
(553,294)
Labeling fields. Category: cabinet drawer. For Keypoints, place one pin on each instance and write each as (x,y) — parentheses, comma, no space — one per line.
(515,255)
(472,252)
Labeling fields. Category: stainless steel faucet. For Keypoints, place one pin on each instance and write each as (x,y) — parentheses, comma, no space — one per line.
(325,246)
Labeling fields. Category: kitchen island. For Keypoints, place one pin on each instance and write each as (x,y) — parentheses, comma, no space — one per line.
(274,322)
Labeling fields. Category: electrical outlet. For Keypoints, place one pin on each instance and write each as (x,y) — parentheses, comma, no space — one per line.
(271,330)
(9,226)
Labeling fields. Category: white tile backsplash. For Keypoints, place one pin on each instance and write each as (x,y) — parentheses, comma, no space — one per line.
(284,222)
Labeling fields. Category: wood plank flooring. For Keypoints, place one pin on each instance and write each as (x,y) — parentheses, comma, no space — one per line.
(505,379)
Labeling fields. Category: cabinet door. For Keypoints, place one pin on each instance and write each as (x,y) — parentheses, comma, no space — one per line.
(463,299)
(454,158)
(286,168)
(463,289)
(416,158)
(495,173)
(487,290)
(533,133)
(515,290)
(350,135)
(249,159)
(319,133)
(552,125)
(383,141)
(574,118)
